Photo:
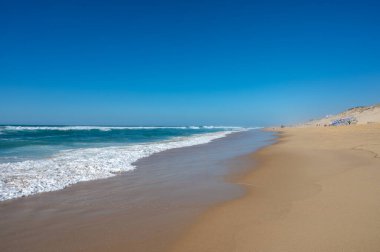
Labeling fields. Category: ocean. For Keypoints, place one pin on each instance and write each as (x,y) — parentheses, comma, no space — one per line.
(35,159)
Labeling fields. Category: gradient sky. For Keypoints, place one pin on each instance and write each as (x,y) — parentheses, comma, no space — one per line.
(186,62)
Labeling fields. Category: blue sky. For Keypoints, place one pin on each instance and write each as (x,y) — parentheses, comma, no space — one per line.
(186,62)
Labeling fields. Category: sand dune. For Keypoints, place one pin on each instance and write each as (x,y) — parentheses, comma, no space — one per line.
(357,115)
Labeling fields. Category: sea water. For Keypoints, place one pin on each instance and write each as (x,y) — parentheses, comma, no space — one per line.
(35,159)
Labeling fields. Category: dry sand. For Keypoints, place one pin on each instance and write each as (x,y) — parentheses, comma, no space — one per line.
(317,189)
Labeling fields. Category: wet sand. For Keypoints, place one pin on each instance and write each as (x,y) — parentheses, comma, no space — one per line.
(317,189)
(143,210)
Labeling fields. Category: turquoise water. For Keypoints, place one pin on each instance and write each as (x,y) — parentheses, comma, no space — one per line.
(19,143)
(35,159)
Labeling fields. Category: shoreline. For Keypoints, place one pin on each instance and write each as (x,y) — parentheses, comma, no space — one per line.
(144,210)
(315,189)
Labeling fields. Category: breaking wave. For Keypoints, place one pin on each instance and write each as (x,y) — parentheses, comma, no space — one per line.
(68,167)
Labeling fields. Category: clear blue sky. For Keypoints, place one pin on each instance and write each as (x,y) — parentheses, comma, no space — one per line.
(186,62)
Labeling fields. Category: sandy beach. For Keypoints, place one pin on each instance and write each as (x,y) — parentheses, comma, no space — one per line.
(316,189)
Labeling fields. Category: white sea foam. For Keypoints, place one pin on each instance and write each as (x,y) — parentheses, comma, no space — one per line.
(68,167)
